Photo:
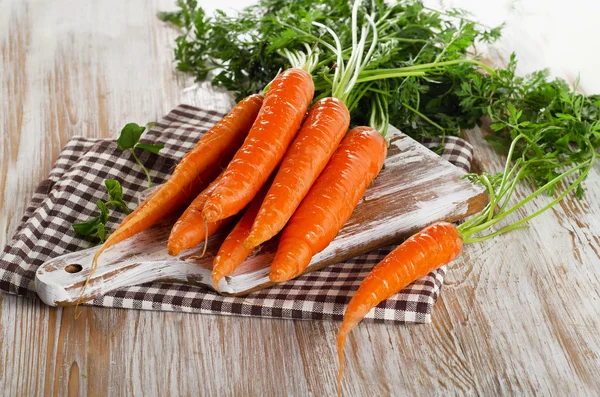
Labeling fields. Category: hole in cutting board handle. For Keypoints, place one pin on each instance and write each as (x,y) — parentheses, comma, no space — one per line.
(73,268)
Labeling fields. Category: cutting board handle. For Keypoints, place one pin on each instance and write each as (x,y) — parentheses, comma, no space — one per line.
(59,281)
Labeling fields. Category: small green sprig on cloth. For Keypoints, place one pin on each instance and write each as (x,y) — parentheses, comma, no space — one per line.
(129,139)
(96,227)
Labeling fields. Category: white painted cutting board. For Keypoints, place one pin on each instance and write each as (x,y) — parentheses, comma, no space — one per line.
(415,188)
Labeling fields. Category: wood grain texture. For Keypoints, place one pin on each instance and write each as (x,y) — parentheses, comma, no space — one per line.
(415,188)
(519,315)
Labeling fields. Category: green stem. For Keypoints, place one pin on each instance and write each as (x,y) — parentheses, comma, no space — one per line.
(308,35)
(431,65)
(401,40)
(379,119)
(490,189)
(511,188)
(382,92)
(433,123)
(118,205)
(476,218)
(327,61)
(441,54)
(355,97)
(388,76)
(143,168)
(506,174)
(470,240)
(479,228)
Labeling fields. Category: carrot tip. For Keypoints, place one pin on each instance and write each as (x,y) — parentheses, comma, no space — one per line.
(250,242)
(174,249)
(279,276)
(216,277)
(292,257)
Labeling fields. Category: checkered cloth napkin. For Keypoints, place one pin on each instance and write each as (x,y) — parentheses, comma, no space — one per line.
(75,183)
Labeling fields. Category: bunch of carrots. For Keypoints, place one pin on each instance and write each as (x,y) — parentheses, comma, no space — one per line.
(283,164)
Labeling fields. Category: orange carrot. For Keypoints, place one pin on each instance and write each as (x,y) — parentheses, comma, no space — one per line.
(321,133)
(139,207)
(330,201)
(284,107)
(233,252)
(189,230)
(195,171)
(429,249)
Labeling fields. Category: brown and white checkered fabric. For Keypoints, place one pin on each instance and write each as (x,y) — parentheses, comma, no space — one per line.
(76,182)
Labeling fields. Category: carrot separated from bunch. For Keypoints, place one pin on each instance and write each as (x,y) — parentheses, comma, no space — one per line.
(190,230)
(195,171)
(284,107)
(440,243)
(232,251)
(422,253)
(330,201)
(139,207)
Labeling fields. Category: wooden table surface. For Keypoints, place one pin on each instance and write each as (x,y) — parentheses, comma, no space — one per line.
(518,316)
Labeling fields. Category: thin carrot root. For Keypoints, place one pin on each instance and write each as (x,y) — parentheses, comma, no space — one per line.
(192,228)
(87,280)
(345,328)
(205,238)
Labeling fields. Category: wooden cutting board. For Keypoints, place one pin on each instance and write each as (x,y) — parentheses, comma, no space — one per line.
(415,188)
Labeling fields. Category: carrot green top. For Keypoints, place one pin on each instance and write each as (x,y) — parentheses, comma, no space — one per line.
(501,187)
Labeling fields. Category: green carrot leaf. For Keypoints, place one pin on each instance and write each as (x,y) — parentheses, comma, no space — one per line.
(87,228)
(115,193)
(130,136)
(101,232)
(96,226)
(152,148)
(129,139)
(103,211)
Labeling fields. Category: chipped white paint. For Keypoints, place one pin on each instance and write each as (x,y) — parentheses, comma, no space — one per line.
(518,315)
(405,197)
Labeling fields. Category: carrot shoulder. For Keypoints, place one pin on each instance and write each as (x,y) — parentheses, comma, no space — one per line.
(277,123)
(325,125)
(189,230)
(195,171)
(425,251)
(330,201)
